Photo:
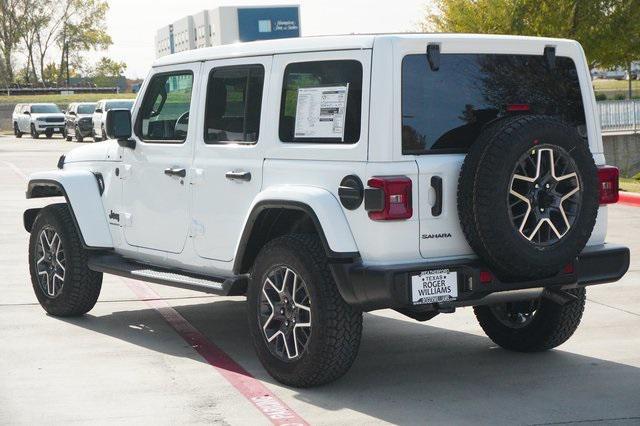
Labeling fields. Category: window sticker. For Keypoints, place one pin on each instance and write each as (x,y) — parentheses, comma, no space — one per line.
(320,112)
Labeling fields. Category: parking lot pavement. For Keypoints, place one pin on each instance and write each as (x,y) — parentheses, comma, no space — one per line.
(123,363)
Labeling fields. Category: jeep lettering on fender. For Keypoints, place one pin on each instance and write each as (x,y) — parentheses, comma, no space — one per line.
(324,178)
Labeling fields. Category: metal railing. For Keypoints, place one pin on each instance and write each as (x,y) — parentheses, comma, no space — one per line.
(620,116)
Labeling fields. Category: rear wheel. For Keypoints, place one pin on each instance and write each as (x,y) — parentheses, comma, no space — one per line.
(34,132)
(532,326)
(303,331)
(61,280)
(16,130)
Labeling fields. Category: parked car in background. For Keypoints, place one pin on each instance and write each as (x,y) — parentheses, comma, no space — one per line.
(79,120)
(14,117)
(37,119)
(100,115)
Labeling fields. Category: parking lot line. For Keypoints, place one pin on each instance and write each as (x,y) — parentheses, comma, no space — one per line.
(251,388)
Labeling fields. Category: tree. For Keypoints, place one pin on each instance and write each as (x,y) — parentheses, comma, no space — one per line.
(106,71)
(83,29)
(609,30)
(9,35)
(37,16)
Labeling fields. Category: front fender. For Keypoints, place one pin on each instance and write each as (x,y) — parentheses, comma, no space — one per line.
(320,204)
(83,194)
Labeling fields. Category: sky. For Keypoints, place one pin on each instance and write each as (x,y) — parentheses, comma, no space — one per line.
(132,24)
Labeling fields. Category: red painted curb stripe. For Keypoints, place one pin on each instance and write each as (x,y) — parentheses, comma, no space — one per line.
(630,199)
(262,398)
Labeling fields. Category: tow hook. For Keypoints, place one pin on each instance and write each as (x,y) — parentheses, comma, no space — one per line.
(561,297)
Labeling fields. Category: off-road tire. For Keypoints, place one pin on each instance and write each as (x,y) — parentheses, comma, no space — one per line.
(483,189)
(81,286)
(103,134)
(34,133)
(552,325)
(336,327)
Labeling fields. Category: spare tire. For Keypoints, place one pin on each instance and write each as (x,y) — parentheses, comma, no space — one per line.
(528,196)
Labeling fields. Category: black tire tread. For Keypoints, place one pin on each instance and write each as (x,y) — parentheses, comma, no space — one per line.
(81,285)
(552,325)
(342,330)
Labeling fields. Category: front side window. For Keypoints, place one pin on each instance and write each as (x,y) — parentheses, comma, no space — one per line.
(234,101)
(321,102)
(164,113)
(446,110)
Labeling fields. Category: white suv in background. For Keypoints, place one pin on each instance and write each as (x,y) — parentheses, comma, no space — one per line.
(324,177)
(37,119)
(100,115)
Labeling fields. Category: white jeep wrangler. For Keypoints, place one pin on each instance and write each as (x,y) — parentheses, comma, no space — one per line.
(323,177)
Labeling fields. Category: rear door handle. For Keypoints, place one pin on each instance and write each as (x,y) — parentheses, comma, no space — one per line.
(175,172)
(234,175)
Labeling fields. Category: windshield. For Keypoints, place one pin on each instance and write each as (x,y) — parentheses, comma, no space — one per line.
(86,109)
(446,110)
(119,105)
(44,109)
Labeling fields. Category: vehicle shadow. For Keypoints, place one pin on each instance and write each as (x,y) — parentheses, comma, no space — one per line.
(413,373)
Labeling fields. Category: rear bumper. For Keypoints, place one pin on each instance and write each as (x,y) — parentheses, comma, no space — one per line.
(379,287)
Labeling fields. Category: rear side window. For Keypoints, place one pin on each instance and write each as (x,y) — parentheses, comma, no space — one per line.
(445,110)
(164,113)
(330,95)
(234,103)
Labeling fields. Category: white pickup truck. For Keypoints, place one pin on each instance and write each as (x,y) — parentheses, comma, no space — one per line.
(324,177)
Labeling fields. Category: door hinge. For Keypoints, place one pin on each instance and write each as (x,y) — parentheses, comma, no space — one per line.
(196,229)
(196,176)
(127,220)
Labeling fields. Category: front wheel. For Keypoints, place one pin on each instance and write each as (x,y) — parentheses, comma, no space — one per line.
(48,134)
(79,137)
(61,280)
(303,331)
(16,131)
(532,326)
(34,132)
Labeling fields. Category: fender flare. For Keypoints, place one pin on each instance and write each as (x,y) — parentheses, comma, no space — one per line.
(82,191)
(319,204)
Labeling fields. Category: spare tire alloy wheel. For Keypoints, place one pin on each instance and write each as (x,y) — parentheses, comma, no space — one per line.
(285,313)
(528,196)
(545,195)
(50,262)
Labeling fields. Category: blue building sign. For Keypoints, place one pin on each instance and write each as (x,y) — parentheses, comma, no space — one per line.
(268,23)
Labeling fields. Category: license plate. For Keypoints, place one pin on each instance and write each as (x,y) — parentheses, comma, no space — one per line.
(435,286)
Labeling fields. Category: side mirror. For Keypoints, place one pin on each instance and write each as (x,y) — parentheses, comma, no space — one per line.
(98,110)
(70,113)
(118,125)
(26,113)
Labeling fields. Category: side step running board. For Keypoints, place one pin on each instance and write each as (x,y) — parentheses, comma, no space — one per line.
(118,265)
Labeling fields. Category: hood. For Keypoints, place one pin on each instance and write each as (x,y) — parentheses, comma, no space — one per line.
(99,151)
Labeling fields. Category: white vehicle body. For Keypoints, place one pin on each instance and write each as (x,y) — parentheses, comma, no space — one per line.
(100,113)
(354,171)
(203,234)
(42,122)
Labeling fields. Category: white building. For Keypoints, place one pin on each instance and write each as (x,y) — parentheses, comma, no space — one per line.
(229,24)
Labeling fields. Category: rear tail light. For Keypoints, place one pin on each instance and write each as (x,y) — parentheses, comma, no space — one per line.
(518,108)
(486,277)
(389,198)
(608,177)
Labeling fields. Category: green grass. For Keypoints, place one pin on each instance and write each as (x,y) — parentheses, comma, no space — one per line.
(64,99)
(630,185)
(613,88)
